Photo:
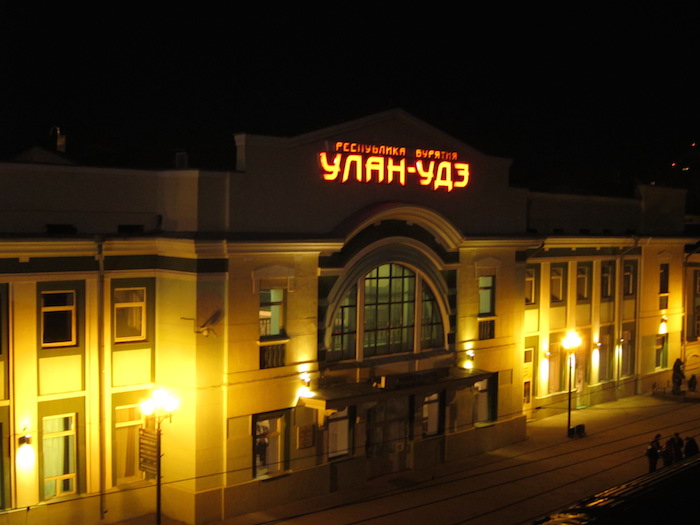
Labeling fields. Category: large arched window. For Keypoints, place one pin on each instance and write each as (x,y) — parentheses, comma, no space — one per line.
(391,310)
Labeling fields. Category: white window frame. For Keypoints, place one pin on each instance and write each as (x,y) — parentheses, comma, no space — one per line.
(73,476)
(72,341)
(133,425)
(132,305)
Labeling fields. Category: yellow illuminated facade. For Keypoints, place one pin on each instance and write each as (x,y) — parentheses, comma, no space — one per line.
(308,335)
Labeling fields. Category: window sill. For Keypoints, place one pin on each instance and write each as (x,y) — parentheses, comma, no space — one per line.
(274,475)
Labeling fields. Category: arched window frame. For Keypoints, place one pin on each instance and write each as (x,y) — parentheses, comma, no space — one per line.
(427,273)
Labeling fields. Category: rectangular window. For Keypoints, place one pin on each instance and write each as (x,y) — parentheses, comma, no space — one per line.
(557,283)
(271,312)
(59,455)
(432,415)
(606,354)
(487,296)
(663,285)
(629,278)
(387,427)
(339,433)
(661,360)
(607,280)
(269,445)
(127,422)
(583,282)
(271,320)
(530,286)
(627,349)
(129,314)
(58,318)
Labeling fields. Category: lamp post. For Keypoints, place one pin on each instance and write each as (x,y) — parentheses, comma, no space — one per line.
(160,406)
(570,342)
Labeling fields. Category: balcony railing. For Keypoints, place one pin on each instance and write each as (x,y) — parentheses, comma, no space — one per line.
(272,355)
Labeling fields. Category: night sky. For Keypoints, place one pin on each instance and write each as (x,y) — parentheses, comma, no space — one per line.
(581,94)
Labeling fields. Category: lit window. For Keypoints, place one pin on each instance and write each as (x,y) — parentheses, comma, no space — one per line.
(397,312)
(128,420)
(271,313)
(58,323)
(129,314)
(59,455)
(271,322)
(269,444)
(487,296)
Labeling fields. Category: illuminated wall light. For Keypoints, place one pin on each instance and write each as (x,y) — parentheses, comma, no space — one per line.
(468,363)
(663,326)
(26,455)
(305,379)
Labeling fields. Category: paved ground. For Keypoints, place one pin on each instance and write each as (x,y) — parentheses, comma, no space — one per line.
(512,485)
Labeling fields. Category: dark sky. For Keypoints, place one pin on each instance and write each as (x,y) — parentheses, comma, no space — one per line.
(568,94)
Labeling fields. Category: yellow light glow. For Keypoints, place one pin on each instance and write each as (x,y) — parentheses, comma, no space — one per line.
(160,401)
(572,340)
(663,326)
(26,457)
(305,392)
(468,364)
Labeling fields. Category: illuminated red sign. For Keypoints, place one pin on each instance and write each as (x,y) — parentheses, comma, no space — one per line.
(366,163)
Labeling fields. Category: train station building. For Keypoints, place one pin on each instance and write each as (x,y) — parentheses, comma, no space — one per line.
(362,300)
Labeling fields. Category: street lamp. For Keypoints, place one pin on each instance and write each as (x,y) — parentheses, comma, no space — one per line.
(160,406)
(570,342)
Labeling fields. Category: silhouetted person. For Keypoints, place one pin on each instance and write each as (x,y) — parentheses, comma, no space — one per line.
(677,442)
(691,447)
(692,383)
(653,451)
(667,455)
(678,376)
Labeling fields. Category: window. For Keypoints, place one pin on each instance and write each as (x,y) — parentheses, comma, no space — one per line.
(269,444)
(127,422)
(557,361)
(583,282)
(391,310)
(606,354)
(59,455)
(627,357)
(271,313)
(271,320)
(661,354)
(487,306)
(629,278)
(340,433)
(530,286)
(387,427)
(487,296)
(607,280)
(557,281)
(663,285)
(432,415)
(129,314)
(58,318)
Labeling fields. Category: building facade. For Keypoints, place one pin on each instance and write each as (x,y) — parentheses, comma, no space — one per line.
(364,300)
